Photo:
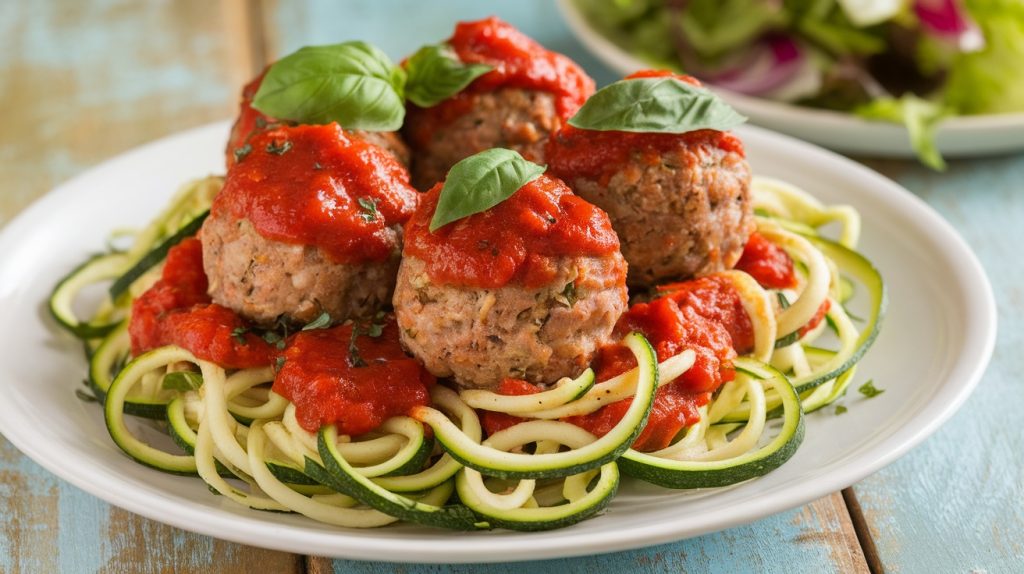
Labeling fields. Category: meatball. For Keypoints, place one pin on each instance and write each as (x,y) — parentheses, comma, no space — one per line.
(512,118)
(680,203)
(529,289)
(309,221)
(263,279)
(250,120)
(528,93)
(481,336)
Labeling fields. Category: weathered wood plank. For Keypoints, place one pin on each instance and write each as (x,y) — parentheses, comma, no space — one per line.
(83,81)
(954,503)
(815,538)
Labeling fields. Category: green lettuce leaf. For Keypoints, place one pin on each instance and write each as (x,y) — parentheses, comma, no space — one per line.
(920,116)
(991,81)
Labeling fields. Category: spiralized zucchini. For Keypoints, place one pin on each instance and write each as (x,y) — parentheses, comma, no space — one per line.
(244,441)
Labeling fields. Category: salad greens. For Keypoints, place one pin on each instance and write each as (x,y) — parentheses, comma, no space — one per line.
(913,62)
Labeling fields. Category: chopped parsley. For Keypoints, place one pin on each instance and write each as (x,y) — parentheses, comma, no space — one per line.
(783,302)
(369,207)
(279,148)
(324,320)
(869,389)
(85,397)
(279,362)
(183,381)
(840,409)
(372,329)
(317,166)
(570,294)
(242,152)
(238,334)
(261,122)
(272,338)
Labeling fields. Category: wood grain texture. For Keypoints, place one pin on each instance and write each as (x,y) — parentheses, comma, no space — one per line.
(83,81)
(954,504)
(815,538)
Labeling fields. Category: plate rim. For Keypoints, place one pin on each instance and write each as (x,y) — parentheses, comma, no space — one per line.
(617,58)
(249,530)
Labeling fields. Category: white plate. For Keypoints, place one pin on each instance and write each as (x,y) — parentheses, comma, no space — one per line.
(964,136)
(933,348)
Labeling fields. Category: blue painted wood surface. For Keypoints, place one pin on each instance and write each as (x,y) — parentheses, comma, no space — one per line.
(952,505)
(956,503)
(79,82)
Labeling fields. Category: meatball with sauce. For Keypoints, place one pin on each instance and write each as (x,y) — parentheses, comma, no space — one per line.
(529,289)
(528,94)
(681,203)
(251,121)
(309,221)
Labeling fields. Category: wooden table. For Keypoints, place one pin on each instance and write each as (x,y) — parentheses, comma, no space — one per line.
(83,81)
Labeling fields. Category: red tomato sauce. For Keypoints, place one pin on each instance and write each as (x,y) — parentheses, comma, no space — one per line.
(515,241)
(177,311)
(767,263)
(597,155)
(705,315)
(327,386)
(318,186)
(517,61)
(249,121)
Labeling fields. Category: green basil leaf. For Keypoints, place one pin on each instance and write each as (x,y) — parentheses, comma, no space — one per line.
(656,105)
(354,84)
(436,73)
(480,182)
(183,381)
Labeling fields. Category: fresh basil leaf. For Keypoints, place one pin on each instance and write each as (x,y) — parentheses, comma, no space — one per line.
(480,182)
(655,105)
(435,73)
(183,381)
(354,84)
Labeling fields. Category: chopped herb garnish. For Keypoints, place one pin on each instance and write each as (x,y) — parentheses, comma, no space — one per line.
(279,148)
(570,294)
(279,362)
(242,152)
(783,302)
(183,381)
(552,220)
(272,338)
(85,397)
(869,389)
(238,333)
(261,122)
(317,166)
(373,329)
(324,320)
(369,207)
(840,409)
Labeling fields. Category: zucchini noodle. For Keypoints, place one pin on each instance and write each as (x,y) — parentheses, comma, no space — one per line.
(246,443)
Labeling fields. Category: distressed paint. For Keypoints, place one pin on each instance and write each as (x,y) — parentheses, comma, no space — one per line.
(954,504)
(83,81)
(815,538)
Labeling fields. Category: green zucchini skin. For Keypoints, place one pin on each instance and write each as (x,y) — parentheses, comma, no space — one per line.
(155,256)
(549,518)
(707,474)
(337,473)
(567,463)
(103,266)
